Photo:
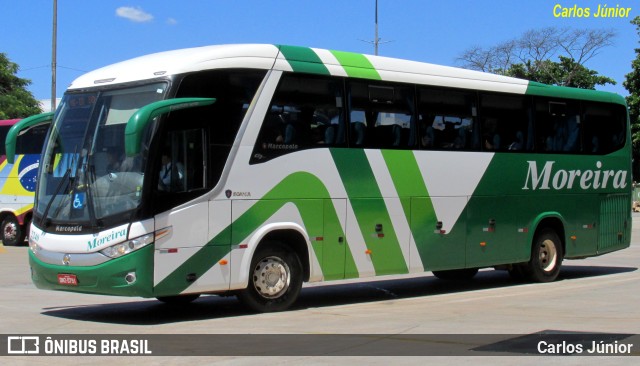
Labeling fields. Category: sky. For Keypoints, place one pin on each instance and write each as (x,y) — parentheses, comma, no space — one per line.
(93,34)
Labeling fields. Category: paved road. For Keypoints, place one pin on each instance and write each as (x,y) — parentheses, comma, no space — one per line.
(596,295)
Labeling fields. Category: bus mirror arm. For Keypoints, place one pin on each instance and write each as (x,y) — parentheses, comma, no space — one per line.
(14,132)
(139,120)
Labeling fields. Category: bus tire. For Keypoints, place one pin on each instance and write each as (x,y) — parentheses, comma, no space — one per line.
(178,299)
(275,279)
(12,232)
(546,257)
(464,274)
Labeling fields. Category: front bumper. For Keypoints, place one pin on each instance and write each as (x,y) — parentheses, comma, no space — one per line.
(108,278)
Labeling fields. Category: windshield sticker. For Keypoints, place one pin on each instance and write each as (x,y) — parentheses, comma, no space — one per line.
(79,200)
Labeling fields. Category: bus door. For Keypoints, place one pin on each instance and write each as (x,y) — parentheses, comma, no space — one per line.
(186,257)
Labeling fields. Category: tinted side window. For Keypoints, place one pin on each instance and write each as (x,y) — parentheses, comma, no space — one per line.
(604,128)
(3,136)
(558,125)
(448,119)
(382,115)
(31,141)
(183,162)
(234,90)
(505,122)
(306,112)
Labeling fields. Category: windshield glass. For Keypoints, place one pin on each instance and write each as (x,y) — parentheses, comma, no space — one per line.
(85,175)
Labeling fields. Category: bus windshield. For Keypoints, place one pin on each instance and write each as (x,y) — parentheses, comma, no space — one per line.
(85,175)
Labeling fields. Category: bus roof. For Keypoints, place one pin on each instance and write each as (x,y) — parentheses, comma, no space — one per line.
(320,61)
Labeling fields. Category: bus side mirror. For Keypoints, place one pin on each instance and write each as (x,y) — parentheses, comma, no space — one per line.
(18,128)
(136,125)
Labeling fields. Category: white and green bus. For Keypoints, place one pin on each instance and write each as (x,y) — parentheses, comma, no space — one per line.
(251,169)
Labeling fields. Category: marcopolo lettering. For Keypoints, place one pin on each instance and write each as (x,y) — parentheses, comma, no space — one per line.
(550,178)
(112,236)
(68,229)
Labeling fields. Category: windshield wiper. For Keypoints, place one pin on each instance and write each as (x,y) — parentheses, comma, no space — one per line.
(55,194)
(88,190)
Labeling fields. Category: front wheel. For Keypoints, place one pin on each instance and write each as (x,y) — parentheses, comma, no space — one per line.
(546,257)
(12,232)
(275,279)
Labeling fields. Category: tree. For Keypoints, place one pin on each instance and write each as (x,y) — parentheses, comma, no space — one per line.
(567,72)
(530,56)
(15,100)
(632,84)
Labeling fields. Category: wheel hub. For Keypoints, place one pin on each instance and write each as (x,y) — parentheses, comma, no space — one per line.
(271,277)
(548,256)
(10,231)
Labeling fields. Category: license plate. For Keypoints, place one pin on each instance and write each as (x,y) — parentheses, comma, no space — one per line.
(67,279)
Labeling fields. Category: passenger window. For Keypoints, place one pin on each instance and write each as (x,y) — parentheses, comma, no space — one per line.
(447,119)
(31,141)
(505,123)
(557,125)
(604,128)
(233,90)
(306,112)
(381,115)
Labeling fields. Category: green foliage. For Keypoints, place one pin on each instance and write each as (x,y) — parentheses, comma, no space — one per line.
(567,72)
(15,100)
(632,84)
(530,56)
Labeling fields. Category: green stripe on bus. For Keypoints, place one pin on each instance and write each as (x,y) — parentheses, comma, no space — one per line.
(301,184)
(370,211)
(406,176)
(357,65)
(408,181)
(303,59)
(554,91)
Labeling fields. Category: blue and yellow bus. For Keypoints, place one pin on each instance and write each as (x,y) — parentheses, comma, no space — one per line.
(18,181)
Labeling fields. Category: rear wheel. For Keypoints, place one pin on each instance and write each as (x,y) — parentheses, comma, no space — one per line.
(546,257)
(12,232)
(275,279)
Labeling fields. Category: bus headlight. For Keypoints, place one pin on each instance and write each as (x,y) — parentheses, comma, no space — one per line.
(33,246)
(127,247)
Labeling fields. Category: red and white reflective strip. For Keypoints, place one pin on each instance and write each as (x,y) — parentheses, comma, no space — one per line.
(588,226)
(169,251)
(523,230)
